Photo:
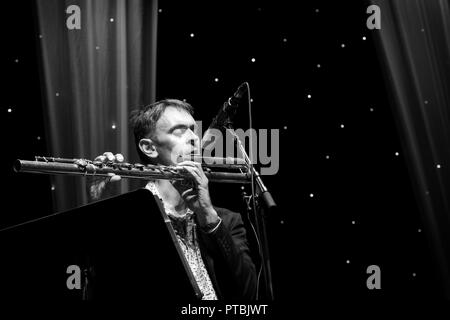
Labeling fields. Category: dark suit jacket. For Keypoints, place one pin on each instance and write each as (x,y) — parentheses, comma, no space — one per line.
(226,256)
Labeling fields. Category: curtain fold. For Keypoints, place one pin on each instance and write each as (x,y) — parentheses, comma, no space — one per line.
(92,78)
(414,46)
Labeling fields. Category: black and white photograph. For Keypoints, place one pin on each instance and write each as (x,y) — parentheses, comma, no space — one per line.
(225,159)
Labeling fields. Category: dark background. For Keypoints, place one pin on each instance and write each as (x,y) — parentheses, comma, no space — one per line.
(312,239)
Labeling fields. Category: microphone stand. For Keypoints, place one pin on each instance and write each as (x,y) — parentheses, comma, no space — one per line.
(269,205)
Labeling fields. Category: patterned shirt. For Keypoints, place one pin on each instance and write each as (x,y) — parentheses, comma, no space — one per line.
(185,230)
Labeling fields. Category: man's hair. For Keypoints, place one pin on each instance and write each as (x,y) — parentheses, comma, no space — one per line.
(143,120)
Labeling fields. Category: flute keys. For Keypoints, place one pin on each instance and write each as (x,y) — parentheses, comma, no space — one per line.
(127,165)
(139,166)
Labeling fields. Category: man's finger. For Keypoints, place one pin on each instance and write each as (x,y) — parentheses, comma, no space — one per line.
(109,156)
(119,157)
(191,197)
(187,163)
(115,178)
(186,192)
(196,165)
(193,172)
(189,194)
(112,177)
(200,170)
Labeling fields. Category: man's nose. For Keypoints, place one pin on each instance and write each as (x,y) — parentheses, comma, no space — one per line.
(194,138)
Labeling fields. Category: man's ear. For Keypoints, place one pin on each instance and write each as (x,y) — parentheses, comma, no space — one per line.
(148,147)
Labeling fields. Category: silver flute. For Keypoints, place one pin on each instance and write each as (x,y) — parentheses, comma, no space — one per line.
(222,170)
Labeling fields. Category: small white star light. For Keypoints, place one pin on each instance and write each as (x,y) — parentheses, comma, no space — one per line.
(309,96)
(191,35)
(112,19)
(342,126)
(216,79)
(311,195)
(253,60)
(9,110)
(438,166)
(113,126)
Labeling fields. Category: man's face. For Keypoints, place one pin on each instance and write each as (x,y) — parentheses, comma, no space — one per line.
(175,136)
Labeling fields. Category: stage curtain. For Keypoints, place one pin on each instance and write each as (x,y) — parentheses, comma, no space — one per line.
(414,50)
(92,77)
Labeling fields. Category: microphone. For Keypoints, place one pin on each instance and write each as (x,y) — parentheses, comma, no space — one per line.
(224,117)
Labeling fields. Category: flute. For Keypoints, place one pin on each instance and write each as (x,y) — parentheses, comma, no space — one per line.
(84,167)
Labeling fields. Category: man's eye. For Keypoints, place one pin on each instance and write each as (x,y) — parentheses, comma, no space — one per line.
(179,131)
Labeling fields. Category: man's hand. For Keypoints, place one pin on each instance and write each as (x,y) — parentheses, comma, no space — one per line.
(197,195)
(98,184)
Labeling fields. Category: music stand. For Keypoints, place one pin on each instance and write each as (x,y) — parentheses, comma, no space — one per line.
(124,246)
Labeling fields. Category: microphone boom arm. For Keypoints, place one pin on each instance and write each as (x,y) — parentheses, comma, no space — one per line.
(270,205)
